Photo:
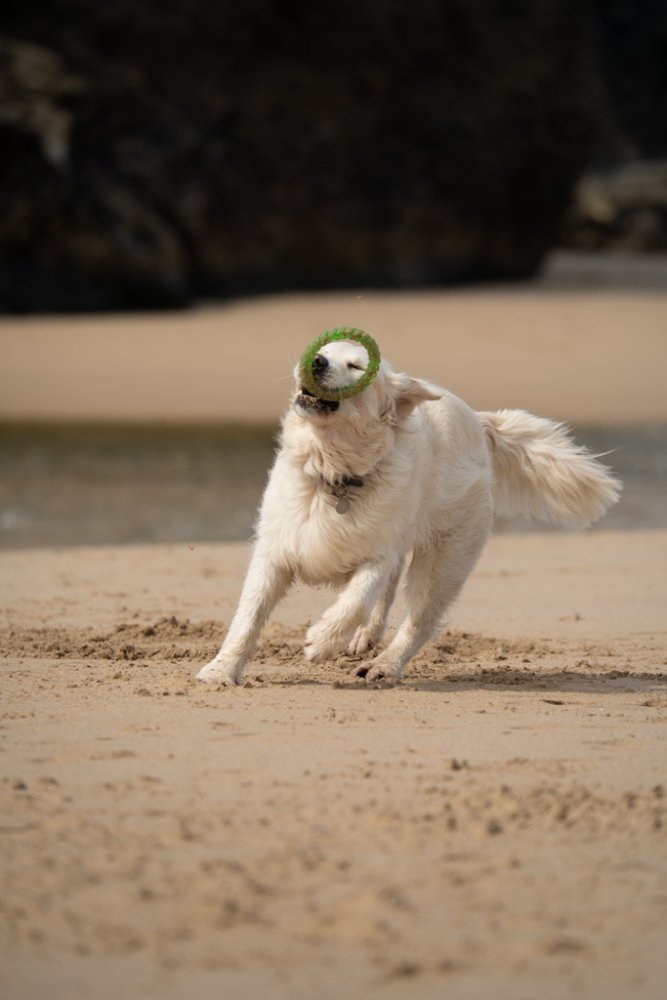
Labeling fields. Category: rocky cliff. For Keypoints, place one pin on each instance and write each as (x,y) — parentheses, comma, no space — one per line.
(154,152)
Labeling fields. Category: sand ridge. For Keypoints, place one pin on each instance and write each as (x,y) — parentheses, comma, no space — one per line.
(454,658)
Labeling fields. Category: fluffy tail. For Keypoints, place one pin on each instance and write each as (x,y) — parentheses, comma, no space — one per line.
(539,471)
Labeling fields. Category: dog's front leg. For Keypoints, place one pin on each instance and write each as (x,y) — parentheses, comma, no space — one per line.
(332,632)
(370,631)
(265,583)
(434,579)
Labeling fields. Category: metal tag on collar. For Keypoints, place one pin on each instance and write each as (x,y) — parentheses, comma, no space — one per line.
(343,504)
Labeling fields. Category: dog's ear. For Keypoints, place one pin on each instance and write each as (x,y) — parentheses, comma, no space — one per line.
(408,392)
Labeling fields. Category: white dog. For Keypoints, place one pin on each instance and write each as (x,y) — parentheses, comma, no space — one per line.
(403,471)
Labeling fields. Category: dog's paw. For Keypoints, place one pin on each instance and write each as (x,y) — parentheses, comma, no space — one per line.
(217,672)
(376,671)
(321,643)
(379,673)
(363,640)
(362,669)
(316,652)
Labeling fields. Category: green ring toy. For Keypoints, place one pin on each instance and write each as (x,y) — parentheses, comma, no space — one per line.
(340,333)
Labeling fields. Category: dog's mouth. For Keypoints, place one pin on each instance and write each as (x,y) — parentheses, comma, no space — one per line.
(306,401)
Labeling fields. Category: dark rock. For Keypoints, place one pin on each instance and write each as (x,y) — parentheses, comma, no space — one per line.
(632,58)
(622,204)
(621,209)
(153,153)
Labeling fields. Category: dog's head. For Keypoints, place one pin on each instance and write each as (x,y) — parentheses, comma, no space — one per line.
(389,399)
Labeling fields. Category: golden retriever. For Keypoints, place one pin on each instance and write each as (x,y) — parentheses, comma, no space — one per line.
(401,473)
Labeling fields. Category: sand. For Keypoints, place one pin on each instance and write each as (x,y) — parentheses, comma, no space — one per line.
(587,355)
(494,826)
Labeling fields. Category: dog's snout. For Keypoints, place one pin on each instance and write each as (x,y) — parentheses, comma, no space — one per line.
(320,364)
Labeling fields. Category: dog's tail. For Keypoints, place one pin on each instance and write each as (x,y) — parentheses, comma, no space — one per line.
(539,471)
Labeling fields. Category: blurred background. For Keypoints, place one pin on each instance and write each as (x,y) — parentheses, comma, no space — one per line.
(156,152)
(183,155)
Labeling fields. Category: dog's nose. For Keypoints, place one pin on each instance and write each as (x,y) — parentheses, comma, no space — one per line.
(320,364)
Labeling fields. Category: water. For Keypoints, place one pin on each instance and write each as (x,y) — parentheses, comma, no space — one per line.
(72,485)
(115,485)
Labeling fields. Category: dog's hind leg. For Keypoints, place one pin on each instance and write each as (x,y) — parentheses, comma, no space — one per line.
(369,634)
(265,583)
(433,580)
(328,636)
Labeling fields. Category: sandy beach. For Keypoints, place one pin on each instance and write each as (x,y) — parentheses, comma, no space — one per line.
(496,822)
(589,351)
(492,826)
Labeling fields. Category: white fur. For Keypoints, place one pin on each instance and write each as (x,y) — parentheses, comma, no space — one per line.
(434,473)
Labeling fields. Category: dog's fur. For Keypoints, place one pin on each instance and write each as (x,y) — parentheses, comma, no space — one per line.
(434,473)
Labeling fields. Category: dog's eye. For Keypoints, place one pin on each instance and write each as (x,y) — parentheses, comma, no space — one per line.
(357,368)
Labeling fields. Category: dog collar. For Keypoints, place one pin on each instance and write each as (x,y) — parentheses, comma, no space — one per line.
(341,491)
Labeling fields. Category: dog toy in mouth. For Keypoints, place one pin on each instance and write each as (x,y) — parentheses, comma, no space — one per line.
(310,383)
